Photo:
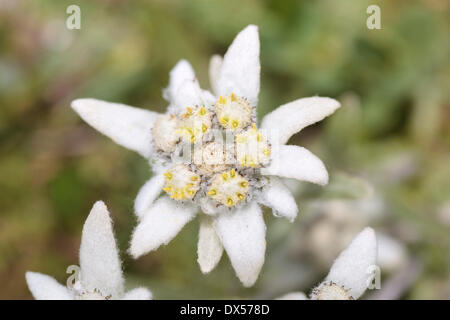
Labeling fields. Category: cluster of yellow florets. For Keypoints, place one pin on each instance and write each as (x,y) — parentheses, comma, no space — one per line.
(194,124)
(228,188)
(164,132)
(233,112)
(189,127)
(181,182)
(252,149)
(219,165)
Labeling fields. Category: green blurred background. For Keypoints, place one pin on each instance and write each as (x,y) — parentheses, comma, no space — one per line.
(387,149)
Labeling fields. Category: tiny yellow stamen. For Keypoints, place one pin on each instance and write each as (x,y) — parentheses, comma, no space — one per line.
(224,120)
(259,137)
(204,128)
(252,148)
(194,178)
(233,97)
(244,184)
(230,202)
(240,196)
(167,189)
(202,111)
(232,173)
(224,176)
(235,124)
(189,109)
(212,192)
(221,100)
(168,175)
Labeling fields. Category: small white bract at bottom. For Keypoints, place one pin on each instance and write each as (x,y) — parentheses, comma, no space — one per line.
(330,291)
(92,295)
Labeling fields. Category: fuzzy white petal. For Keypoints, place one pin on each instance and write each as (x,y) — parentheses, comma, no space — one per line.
(138,294)
(147,194)
(181,72)
(292,117)
(127,126)
(44,287)
(99,258)
(208,98)
(160,224)
(293,296)
(209,247)
(190,94)
(350,269)
(208,206)
(278,197)
(240,70)
(242,233)
(298,163)
(215,64)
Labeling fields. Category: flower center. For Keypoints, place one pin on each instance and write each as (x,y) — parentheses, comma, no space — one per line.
(181,182)
(208,174)
(331,291)
(233,112)
(228,188)
(252,149)
(164,133)
(213,158)
(195,122)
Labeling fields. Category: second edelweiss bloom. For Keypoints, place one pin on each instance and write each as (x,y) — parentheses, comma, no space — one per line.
(100,273)
(350,273)
(208,153)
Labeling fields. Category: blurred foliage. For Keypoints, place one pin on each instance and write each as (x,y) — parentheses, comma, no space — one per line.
(391,137)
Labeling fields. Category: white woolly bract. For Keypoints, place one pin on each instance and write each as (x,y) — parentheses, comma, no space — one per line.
(44,287)
(292,117)
(278,197)
(159,224)
(148,194)
(351,269)
(209,248)
(99,258)
(298,163)
(127,126)
(239,73)
(242,234)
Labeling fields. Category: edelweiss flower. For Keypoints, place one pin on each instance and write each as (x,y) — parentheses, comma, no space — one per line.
(100,276)
(207,152)
(350,273)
